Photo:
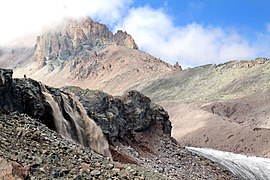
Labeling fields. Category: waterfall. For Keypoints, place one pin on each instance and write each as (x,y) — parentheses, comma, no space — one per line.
(72,122)
(244,167)
(61,124)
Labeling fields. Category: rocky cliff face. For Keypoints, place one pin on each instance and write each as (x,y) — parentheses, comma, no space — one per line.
(74,37)
(121,118)
(58,110)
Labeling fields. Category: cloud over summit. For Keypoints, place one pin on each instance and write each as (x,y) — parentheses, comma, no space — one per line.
(154,30)
(19,17)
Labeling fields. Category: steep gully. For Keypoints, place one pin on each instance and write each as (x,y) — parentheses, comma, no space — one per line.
(244,167)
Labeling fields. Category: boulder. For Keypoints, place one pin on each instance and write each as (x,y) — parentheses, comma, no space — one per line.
(13,170)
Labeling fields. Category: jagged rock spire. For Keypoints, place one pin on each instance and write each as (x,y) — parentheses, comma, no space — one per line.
(72,37)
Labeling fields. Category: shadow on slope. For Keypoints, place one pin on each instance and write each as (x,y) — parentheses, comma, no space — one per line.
(193,126)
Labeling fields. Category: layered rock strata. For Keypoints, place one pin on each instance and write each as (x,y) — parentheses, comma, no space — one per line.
(73,37)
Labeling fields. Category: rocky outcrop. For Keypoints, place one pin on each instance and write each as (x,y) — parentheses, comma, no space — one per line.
(74,37)
(58,110)
(177,67)
(5,89)
(121,118)
(122,38)
(32,151)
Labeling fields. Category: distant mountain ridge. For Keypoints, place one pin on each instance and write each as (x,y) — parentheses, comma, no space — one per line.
(73,37)
(86,53)
(229,80)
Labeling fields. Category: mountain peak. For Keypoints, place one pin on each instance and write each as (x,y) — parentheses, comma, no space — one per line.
(72,37)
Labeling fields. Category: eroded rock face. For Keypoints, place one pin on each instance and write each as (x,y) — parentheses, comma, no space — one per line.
(122,117)
(74,37)
(58,110)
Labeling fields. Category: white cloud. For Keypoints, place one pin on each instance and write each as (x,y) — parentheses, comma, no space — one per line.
(153,30)
(193,44)
(19,17)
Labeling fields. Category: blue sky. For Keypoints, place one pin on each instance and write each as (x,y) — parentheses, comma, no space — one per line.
(215,12)
(192,32)
(247,17)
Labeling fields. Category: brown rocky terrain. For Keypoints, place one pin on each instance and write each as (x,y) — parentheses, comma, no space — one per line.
(30,150)
(138,131)
(114,69)
(222,106)
(250,110)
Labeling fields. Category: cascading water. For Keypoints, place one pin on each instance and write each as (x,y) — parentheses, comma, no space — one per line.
(72,122)
(61,124)
(91,131)
(244,167)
